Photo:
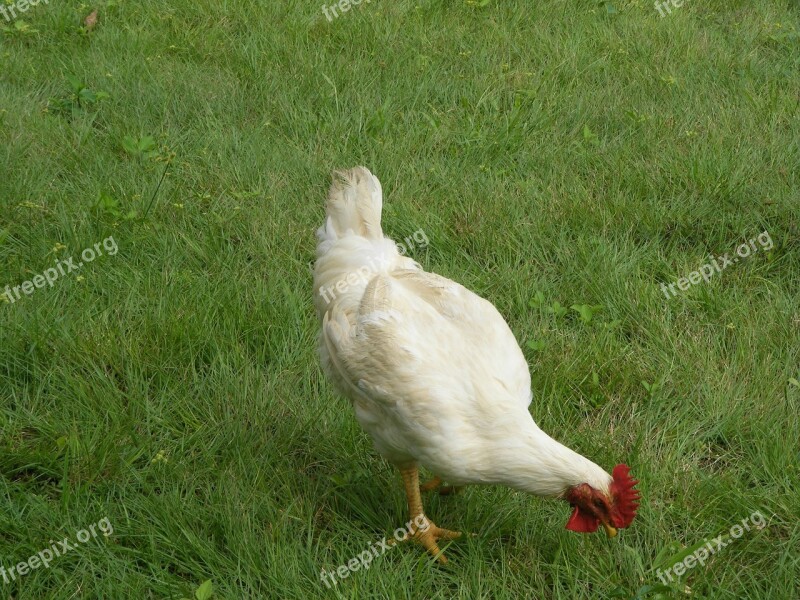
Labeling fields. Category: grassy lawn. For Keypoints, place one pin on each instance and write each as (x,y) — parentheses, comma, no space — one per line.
(553,153)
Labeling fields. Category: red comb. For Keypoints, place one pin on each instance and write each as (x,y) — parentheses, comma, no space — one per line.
(624,497)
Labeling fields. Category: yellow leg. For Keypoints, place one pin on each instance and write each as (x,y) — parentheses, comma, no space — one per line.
(431,484)
(444,490)
(420,528)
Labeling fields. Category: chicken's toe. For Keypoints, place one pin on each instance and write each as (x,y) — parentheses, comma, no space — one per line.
(429,536)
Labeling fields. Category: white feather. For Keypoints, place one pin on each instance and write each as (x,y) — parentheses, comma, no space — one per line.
(433,370)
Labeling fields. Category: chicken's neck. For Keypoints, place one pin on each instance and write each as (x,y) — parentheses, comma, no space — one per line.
(536,463)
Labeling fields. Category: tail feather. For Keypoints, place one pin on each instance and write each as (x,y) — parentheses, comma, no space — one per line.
(351,248)
(355,204)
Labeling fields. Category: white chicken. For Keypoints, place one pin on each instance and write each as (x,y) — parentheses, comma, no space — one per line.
(436,376)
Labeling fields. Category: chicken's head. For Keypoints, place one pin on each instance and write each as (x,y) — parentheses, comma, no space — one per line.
(592,507)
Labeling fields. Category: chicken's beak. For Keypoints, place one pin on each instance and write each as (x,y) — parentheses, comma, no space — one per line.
(610,531)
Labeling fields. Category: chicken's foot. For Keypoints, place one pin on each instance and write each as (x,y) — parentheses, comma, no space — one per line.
(420,528)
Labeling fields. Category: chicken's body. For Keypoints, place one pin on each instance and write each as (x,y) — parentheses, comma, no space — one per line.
(433,370)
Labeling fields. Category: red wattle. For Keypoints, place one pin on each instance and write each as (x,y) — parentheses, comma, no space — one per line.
(582,523)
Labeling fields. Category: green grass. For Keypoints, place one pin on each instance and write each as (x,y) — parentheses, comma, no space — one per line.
(554,147)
